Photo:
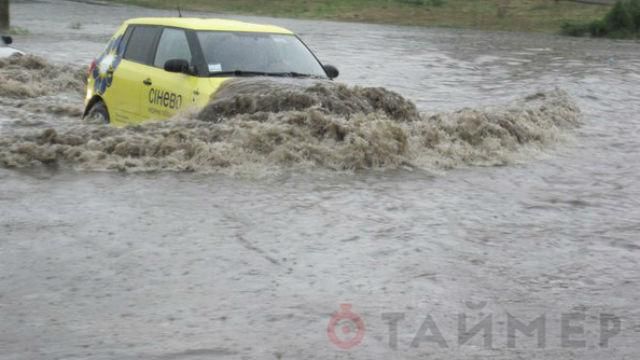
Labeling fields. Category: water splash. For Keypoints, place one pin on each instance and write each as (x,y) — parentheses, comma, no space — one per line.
(277,124)
(28,76)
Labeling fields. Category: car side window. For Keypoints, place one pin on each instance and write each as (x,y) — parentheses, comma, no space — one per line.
(141,44)
(173,45)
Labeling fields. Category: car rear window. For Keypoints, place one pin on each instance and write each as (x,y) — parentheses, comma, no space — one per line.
(140,47)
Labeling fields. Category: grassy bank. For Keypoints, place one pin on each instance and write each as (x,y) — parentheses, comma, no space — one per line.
(512,15)
(622,21)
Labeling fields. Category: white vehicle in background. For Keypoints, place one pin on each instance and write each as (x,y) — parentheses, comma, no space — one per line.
(5,49)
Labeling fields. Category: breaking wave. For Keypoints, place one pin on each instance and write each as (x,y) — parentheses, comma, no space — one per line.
(278,123)
(269,95)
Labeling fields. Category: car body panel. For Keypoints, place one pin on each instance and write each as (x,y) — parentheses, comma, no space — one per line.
(170,93)
(100,84)
(124,96)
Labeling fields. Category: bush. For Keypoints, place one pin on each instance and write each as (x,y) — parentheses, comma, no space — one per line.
(620,18)
(623,21)
(598,28)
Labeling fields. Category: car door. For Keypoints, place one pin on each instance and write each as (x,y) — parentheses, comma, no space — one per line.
(129,77)
(168,93)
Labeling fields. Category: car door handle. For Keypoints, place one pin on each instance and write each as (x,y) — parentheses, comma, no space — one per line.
(147,82)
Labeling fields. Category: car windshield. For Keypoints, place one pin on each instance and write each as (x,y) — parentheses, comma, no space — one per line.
(244,52)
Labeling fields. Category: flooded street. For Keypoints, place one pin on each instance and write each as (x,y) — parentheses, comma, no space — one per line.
(252,261)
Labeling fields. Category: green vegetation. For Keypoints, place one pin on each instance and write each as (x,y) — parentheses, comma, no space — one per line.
(512,15)
(622,21)
(17,30)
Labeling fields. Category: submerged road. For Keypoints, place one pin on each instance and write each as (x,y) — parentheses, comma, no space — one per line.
(171,265)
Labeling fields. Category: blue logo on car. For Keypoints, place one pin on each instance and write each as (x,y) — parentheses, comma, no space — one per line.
(106,64)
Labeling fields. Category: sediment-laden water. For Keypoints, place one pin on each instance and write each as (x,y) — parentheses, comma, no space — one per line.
(449,175)
(273,123)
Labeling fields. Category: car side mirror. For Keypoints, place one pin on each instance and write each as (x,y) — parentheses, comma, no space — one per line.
(332,71)
(7,40)
(177,66)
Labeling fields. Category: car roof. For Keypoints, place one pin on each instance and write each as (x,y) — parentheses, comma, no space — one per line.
(208,24)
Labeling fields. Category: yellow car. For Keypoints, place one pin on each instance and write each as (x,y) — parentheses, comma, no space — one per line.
(153,68)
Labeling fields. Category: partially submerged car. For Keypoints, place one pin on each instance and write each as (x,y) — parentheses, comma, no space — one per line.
(153,68)
(5,49)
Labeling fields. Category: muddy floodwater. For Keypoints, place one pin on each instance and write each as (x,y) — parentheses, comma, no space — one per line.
(457,181)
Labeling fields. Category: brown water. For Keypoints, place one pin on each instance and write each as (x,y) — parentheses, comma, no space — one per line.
(274,214)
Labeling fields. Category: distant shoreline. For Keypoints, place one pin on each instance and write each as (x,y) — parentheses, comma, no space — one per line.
(503,15)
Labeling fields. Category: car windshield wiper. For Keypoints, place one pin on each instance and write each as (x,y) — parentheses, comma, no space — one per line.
(261,73)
